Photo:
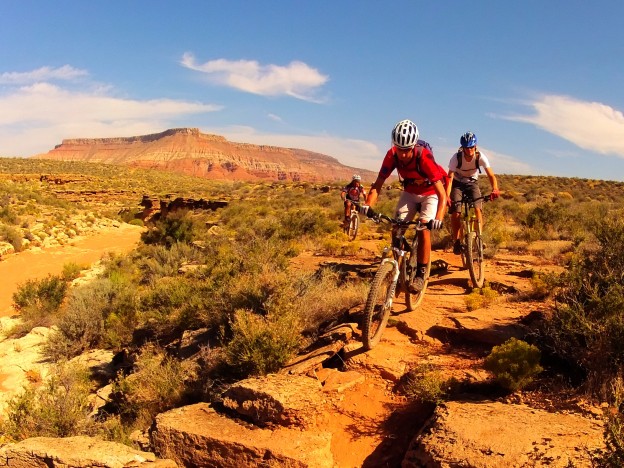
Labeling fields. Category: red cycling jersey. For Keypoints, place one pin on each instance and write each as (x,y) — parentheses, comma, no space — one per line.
(408,171)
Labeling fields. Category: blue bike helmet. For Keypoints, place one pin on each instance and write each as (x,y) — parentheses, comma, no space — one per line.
(468,140)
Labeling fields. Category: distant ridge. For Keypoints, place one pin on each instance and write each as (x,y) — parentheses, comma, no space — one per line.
(188,151)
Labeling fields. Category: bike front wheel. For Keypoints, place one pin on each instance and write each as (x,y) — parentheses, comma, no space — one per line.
(474,259)
(354,224)
(378,306)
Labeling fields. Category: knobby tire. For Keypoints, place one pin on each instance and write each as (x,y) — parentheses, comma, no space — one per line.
(378,306)
(354,223)
(474,259)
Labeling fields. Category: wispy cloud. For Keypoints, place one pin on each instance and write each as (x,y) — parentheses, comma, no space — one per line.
(590,125)
(296,79)
(64,73)
(36,117)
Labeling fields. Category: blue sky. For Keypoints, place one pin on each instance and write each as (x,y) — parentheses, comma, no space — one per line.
(539,82)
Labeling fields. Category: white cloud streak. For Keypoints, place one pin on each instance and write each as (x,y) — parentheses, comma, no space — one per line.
(589,125)
(37,117)
(296,79)
(64,73)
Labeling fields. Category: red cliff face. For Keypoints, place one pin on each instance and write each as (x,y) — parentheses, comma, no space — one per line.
(188,151)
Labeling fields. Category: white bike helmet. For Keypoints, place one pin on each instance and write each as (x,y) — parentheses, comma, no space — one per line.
(405,134)
(356,177)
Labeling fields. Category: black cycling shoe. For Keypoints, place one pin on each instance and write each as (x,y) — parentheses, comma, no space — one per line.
(417,285)
(457,248)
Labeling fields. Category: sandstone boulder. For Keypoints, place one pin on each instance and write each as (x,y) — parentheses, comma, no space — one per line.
(76,452)
(197,435)
(276,399)
(494,434)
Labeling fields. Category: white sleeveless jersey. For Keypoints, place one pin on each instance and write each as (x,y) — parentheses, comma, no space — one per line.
(468,170)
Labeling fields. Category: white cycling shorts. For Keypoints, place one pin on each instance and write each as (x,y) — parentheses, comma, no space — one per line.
(411,204)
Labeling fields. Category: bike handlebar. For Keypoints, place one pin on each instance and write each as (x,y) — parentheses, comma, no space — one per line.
(378,217)
(420,226)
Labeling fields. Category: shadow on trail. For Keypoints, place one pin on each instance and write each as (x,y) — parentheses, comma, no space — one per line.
(398,431)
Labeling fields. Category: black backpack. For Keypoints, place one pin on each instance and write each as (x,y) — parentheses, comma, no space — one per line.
(459,159)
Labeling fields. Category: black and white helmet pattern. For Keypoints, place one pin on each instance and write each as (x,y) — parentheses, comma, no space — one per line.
(405,134)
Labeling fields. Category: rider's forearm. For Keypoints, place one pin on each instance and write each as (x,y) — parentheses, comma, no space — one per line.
(373,193)
(492,177)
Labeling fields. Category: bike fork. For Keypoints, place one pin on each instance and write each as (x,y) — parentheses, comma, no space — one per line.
(395,279)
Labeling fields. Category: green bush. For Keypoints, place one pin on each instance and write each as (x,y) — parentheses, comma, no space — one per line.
(424,384)
(39,300)
(11,235)
(586,328)
(156,384)
(514,364)
(178,226)
(480,297)
(71,271)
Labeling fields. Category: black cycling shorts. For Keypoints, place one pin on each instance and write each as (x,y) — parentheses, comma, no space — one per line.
(471,188)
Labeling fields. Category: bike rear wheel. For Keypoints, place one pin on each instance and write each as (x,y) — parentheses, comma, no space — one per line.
(354,224)
(474,259)
(378,306)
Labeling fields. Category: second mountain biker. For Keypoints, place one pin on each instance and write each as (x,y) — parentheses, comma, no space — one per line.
(423,191)
(464,169)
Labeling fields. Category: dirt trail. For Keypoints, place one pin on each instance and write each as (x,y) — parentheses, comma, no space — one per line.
(35,264)
(371,423)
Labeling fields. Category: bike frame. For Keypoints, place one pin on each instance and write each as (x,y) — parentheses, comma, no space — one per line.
(470,236)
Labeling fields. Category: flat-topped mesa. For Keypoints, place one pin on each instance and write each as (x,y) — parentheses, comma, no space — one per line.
(141,138)
(187,150)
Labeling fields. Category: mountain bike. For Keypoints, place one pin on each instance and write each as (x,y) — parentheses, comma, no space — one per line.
(471,240)
(394,275)
(351,229)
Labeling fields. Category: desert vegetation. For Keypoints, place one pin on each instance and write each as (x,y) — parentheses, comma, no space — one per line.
(226,274)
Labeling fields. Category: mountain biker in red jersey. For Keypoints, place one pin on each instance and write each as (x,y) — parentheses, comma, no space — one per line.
(352,192)
(423,190)
(464,169)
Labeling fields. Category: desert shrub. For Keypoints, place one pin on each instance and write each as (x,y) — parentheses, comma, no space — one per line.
(102,313)
(136,222)
(71,271)
(586,328)
(321,297)
(158,261)
(58,408)
(7,214)
(332,245)
(614,427)
(262,344)
(11,235)
(178,226)
(514,364)
(81,325)
(480,297)
(157,384)
(424,384)
(39,300)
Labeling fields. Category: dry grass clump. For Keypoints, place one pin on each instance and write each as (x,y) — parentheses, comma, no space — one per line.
(57,407)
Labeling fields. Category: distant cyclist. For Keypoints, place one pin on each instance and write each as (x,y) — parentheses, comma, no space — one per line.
(352,192)
(464,169)
(423,190)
